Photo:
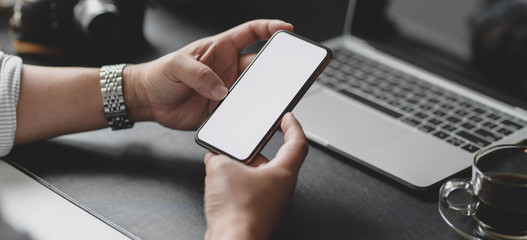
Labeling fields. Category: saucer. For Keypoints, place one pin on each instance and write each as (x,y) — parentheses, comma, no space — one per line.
(469,228)
(466,226)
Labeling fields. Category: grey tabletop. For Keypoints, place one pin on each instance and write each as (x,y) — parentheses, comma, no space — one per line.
(149,179)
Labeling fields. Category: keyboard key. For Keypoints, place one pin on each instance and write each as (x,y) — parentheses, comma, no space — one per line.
(504,131)
(419,95)
(465,105)
(426,128)
(479,111)
(400,95)
(439,113)
(421,115)
(461,113)
(413,101)
(381,97)
(358,73)
(471,148)
(433,101)
(512,124)
(407,89)
(330,84)
(412,122)
(424,86)
(455,141)
(407,109)
(494,116)
(425,107)
(435,121)
(373,81)
(477,140)
(451,98)
(367,91)
(394,103)
(367,69)
(468,126)
(353,83)
(437,92)
(475,119)
(410,79)
(449,128)
(488,135)
(441,135)
(453,119)
(447,106)
(330,70)
(348,69)
(490,125)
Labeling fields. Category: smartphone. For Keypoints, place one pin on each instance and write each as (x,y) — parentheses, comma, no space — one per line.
(282,71)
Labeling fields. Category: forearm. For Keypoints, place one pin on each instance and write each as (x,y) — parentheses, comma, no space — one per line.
(55,101)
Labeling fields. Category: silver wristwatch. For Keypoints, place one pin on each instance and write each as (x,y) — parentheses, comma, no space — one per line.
(112,96)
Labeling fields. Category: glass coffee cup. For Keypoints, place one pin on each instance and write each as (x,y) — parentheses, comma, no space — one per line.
(498,187)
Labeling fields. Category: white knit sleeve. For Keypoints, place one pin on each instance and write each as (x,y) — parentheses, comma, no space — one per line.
(10,70)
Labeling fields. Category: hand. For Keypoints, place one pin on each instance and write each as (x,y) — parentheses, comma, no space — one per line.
(246,202)
(180,89)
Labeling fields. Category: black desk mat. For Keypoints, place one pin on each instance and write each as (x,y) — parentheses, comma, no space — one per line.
(149,181)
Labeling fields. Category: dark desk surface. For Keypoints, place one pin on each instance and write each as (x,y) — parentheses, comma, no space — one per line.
(149,179)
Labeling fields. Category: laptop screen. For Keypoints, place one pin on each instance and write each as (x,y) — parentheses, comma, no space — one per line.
(438,36)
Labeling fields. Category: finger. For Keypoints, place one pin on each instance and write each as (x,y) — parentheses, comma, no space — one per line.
(248,33)
(259,160)
(218,163)
(208,156)
(201,78)
(291,155)
(206,160)
(245,60)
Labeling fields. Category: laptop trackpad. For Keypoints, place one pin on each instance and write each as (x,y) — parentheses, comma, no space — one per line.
(346,125)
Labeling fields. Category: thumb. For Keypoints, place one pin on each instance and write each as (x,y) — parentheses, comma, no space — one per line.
(217,163)
(202,79)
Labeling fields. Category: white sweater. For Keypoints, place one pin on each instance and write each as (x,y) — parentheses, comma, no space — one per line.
(10,71)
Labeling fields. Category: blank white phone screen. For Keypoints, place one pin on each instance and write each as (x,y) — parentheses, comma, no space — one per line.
(258,99)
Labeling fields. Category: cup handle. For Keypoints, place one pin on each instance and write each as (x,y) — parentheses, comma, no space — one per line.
(448,187)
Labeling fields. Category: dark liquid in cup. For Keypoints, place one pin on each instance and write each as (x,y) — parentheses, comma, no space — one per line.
(498,204)
(511,178)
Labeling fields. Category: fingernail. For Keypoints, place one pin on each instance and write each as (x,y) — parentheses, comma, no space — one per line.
(219,92)
(292,26)
(282,22)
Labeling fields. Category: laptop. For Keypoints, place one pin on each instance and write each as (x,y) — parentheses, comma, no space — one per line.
(411,124)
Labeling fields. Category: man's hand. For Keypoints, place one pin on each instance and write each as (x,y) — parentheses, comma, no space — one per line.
(180,89)
(246,202)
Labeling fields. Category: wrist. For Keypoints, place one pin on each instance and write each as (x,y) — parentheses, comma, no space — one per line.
(238,226)
(134,94)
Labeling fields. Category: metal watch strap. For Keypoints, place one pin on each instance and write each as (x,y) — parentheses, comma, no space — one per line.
(111,77)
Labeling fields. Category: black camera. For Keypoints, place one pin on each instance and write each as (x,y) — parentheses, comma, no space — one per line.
(66,27)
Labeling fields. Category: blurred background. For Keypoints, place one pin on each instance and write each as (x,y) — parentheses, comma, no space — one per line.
(79,31)
(471,41)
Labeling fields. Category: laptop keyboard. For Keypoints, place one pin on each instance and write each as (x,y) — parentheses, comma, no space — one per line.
(444,114)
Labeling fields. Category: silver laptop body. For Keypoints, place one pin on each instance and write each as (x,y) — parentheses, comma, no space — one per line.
(401,144)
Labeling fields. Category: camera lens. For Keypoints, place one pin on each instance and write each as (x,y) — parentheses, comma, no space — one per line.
(100,20)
